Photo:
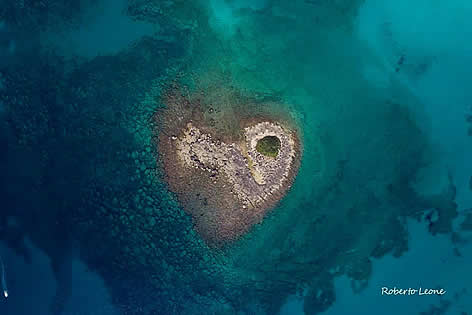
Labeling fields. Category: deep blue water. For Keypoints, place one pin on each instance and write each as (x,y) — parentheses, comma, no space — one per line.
(79,83)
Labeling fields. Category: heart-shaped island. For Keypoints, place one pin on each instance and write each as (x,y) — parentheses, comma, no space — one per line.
(228,166)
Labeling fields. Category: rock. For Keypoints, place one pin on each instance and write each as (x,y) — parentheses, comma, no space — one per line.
(152,222)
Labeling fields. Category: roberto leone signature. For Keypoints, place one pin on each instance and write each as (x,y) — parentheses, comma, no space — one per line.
(411,291)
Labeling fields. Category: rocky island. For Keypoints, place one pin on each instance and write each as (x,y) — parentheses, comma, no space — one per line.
(226,175)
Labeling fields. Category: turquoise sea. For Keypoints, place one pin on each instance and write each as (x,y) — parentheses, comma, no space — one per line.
(379,93)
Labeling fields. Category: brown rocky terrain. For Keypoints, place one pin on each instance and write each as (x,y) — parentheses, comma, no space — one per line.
(219,178)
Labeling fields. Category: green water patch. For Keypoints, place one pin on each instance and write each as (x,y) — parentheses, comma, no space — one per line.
(268,146)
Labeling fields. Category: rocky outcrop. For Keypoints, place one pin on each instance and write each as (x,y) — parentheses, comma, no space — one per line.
(254,178)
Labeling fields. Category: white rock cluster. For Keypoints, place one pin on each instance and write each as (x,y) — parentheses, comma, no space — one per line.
(254,177)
